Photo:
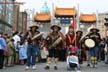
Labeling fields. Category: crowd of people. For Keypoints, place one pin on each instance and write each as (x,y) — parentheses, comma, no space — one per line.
(25,48)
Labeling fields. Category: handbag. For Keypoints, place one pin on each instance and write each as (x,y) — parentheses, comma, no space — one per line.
(44,53)
(105,49)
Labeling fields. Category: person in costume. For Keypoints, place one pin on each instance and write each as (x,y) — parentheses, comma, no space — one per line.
(72,44)
(70,37)
(79,34)
(55,42)
(33,45)
(93,52)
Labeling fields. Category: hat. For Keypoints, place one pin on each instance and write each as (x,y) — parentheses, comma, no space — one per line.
(79,31)
(94,28)
(34,25)
(70,26)
(55,25)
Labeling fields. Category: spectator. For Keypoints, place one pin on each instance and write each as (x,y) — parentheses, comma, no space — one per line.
(22,53)
(16,38)
(3,48)
(11,50)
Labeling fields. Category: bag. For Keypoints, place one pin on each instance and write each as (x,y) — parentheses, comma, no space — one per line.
(5,53)
(44,53)
(105,49)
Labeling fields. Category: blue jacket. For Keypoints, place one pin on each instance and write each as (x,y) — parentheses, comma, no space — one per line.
(22,52)
(3,44)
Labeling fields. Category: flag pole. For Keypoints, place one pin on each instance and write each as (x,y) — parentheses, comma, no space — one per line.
(77,17)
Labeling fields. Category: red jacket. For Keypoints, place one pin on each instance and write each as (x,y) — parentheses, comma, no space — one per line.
(72,40)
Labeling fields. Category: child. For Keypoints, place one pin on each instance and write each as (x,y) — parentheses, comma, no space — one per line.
(11,49)
(22,53)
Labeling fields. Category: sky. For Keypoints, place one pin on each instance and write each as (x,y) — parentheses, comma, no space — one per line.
(85,6)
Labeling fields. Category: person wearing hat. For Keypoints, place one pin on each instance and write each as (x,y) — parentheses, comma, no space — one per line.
(95,36)
(55,42)
(79,34)
(33,46)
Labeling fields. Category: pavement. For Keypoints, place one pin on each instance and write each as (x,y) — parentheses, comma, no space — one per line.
(62,67)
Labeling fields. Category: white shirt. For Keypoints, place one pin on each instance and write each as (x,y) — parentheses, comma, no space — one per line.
(16,39)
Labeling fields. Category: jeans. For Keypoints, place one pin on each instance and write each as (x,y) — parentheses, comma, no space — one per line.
(94,51)
(1,58)
(31,54)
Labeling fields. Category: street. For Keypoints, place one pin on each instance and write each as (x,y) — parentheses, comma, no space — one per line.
(61,68)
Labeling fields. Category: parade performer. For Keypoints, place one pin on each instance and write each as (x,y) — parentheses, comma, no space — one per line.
(55,42)
(79,34)
(70,37)
(72,42)
(93,51)
(33,37)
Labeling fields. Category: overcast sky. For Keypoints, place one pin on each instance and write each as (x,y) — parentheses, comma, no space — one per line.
(85,6)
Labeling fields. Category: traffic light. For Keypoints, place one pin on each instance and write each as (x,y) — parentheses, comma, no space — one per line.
(106,21)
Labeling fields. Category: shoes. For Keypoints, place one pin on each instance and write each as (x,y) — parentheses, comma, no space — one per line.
(47,67)
(88,65)
(4,67)
(27,67)
(78,71)
(95,65)
(33,67)
(92,66)
(55,68)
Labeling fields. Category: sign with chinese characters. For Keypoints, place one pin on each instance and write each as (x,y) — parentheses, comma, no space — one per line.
(65,21)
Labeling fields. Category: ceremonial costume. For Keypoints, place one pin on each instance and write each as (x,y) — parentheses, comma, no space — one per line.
(33,45)
(93,52)
(55,42)
(72,44)
(79,34)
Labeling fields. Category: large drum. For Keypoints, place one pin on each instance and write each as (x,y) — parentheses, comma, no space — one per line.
(90,43)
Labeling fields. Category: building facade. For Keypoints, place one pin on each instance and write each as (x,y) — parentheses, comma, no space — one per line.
(101,26)
(16,17)
(6,16)
(22,26)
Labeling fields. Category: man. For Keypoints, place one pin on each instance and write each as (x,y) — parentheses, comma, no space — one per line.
(55,42)
(3,48)
(33,37)
(93,52)
(16,39)
(79,34)
(106,50)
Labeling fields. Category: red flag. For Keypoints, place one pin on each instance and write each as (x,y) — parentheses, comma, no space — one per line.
(74,23)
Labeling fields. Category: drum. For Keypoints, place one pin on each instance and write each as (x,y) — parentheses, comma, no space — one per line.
(90,43)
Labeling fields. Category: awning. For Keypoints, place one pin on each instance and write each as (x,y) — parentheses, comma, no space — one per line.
(42,17)
(88,18)
(65,12)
